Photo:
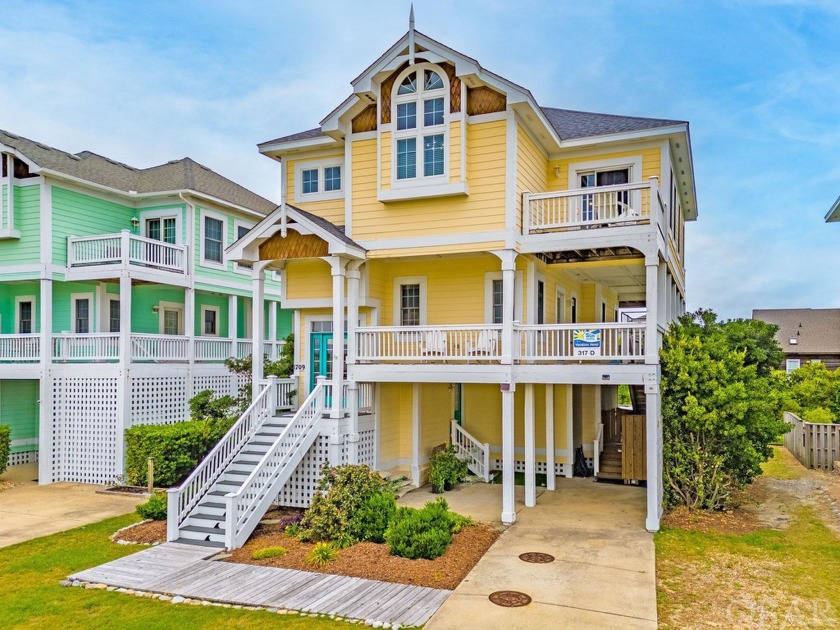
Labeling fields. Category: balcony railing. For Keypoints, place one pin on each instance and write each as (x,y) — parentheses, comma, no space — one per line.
(481,343)
(414,344)
(125,248)
(602,206)
(145,348)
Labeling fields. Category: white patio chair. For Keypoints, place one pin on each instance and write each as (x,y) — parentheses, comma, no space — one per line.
(435,343)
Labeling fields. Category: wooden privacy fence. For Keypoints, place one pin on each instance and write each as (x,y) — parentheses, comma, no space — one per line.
(814,445)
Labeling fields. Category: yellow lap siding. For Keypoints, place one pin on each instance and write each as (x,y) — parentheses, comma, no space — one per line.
(455,151)
(308,279)
(531,170)
(331,210)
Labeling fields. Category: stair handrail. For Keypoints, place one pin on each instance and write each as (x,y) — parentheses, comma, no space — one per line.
(242,507)
(181,500)
(466,446)
(597,448)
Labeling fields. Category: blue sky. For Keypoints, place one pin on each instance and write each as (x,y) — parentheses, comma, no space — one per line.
(759,82)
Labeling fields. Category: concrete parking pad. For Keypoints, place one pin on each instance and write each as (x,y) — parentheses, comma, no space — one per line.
(28,510)
(603,575)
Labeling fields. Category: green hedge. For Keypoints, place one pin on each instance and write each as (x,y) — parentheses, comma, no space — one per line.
(176,448)
(5,446)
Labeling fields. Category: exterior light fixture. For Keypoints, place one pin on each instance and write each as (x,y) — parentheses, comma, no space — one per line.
(135,222)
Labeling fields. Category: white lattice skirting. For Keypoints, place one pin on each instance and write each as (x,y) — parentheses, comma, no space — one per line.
(24,457)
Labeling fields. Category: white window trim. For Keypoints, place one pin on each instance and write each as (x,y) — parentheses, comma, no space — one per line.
(25,298)
(540,277)
(220,217)
(215,309)
(74,297)
(421,181)
(237,223)
(398,282)
(633,163)
(518,295)
(559,297)
(574,296)
(171,306)
(792,364)
(320,165)
(166,213)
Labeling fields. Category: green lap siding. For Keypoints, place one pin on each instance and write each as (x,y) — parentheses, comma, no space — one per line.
(19,410)
(26,249)
(284,322)
(144,298)
(218,301)
(9,292)
(75,214)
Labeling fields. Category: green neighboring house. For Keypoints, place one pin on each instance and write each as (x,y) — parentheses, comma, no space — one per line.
(117,302)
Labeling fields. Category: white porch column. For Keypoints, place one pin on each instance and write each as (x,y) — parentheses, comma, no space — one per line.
(508,258)
(652,306)
(338,274)
(508,464)
(257,323)
(416,433)
(353,277)
(231,330)
(530,448)
(570,432)
(653,435)
(124,383)
(550,481)
(45,412)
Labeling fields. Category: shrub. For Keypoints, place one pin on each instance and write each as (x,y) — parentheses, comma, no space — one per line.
(154,508)
(424,533)
(322,554)
(5,446)
(176,448)
(336,511)
(290,523)
(375,515)
(283,368)
(269,552)
(446,468)
(204,406)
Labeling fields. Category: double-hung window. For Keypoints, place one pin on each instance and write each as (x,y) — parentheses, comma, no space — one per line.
(212,239)
(420,116)
(25,313)
(81,323)
(498,305)
(409,305)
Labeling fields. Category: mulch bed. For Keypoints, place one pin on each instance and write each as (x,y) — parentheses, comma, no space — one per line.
(374,562)
(735,521)
(144,533)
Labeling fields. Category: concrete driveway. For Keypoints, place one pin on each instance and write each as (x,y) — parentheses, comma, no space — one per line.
(603,575)
(28,510)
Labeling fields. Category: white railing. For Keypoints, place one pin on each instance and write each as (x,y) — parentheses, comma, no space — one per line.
(366,398)
(471,342)
(287,393)
(125,248)
(213,348)
(476,454)
(245,507)
(20,348)
(181,500)
(159,348)
(86,347)
(585,207)
(580,342)
(598,448)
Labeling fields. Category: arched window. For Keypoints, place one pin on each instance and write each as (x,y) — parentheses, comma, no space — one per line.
(420,113)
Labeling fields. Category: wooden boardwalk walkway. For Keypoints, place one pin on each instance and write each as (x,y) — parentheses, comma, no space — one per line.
(184,570)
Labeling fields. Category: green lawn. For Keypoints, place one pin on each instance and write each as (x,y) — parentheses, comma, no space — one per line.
(30,596)
(765,579)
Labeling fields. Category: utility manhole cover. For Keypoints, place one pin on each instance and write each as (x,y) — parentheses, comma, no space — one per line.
(536,557)
(510,599)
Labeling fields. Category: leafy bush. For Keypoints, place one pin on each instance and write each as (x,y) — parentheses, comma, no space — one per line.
(283,368)
(5,446)
(721,406)
(423,533)
(446,468)
(819,415)
(154,508)
(176,449)
(322,554)
(269,552)
(815,393)
(204,406)
(336,512)
(375,515)
(290,523)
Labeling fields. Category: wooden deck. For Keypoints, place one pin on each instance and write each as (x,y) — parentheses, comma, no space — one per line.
(175,569)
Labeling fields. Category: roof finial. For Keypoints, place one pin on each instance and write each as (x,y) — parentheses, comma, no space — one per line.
(411,35)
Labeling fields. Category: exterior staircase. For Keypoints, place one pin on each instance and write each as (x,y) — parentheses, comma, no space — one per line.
(224,498)
(610,462)
(639,399)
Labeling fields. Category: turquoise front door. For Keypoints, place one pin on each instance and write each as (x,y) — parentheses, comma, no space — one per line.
(320,356)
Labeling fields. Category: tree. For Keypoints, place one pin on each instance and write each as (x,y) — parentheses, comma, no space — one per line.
(721,406)
(815,393)
(282,368)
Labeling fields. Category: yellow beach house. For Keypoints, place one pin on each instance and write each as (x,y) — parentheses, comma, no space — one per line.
(496,269)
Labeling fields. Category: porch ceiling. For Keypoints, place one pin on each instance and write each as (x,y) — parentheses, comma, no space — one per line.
(627,277)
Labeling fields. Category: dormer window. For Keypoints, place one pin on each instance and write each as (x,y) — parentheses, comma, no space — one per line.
(420,114)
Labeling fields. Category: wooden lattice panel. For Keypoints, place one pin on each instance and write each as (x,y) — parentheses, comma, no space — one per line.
(219,384)
(519,466)
(159,400)
(300,488)
(483,100)
(86,429)
(366,120)
(295,245)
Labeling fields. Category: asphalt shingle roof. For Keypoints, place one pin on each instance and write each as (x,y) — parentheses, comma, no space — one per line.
(177,175)
(817,330)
